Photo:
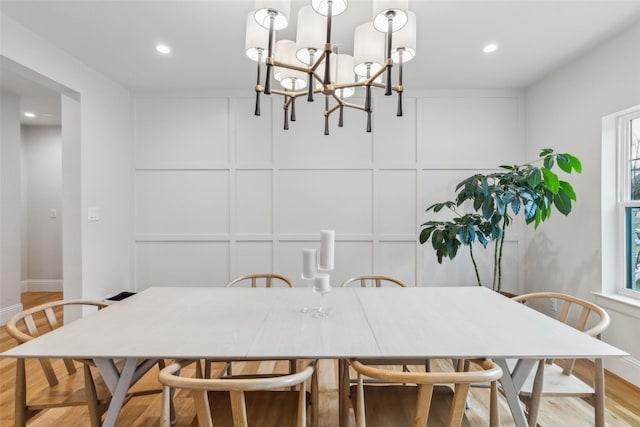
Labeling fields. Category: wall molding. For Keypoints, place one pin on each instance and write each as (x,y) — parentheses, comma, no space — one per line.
(7,312)
(41,285)
(627,368)
(254,203)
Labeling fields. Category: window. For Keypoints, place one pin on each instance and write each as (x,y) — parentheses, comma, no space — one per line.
(629,191)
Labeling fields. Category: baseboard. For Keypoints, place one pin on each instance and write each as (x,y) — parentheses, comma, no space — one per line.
(7,312)
(627,368)
(41,285)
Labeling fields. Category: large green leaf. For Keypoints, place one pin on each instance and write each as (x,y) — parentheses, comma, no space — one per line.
(562,202)
(425,234)
(567,188)
(574,162)
(563,163)
(551,180)
(534,177)
(487,207)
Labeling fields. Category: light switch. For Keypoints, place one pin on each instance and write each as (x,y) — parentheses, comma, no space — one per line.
(93,214)
(53,213)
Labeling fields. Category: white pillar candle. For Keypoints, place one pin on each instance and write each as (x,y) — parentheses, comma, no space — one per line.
(321,282)
(327,249)
(309,263)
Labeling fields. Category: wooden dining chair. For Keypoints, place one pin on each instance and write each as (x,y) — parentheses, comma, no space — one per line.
(256,279)
(63,389)
(372,281)
(436,398)
(278,400)
(557,379)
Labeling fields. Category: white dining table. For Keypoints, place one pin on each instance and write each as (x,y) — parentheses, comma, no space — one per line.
(376,323)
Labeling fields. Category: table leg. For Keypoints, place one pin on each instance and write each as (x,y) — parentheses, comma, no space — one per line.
(343,393)
(21,393)
(511,384)
(119,393)
(598,388)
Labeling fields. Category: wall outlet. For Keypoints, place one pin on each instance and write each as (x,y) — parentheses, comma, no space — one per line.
(53,213)
(554,305)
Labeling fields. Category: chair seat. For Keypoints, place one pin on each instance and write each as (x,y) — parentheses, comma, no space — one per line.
(555,383)
(69,392)
(264,408)
(390,406)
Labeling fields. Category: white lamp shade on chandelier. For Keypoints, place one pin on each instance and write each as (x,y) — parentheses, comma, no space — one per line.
(368,50)
(256,39)
(310,35)
(280,10)
(285,51)
(313,62)
(404,40)
(322,6)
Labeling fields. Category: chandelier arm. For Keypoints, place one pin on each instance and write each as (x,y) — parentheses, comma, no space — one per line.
(332,110)
(310,76)
(315,66)
(326,113)
(367,98)
(290,66)
(399,112)
(390,16)
(269,61)
(354,106)
(350,85)
(371,78)
(382,85)
(290,94)
(286,113)
(293,109)
(328,48)
(258,87)
(367,107)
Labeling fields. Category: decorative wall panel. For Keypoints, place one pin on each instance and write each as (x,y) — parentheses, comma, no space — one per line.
(220,192)
(181,264)
(181,132)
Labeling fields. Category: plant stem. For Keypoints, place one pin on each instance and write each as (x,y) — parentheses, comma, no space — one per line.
(504,224)
(475,266)
(495,264)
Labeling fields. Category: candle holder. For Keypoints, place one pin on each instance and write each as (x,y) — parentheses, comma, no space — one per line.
(321,286)
(316,268)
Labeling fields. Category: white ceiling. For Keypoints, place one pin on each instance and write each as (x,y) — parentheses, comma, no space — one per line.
(117,38)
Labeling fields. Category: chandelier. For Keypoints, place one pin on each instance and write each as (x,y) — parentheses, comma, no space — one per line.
(313,63)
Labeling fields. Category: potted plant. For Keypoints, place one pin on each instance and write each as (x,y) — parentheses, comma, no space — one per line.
(531,188)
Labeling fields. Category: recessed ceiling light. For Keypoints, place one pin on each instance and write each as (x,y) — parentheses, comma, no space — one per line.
(29,114)
(489,48)
(163,48)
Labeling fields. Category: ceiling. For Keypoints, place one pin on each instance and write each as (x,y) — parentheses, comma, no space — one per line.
(118,38)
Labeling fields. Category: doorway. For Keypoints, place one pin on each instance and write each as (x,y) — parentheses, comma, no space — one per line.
(44,190)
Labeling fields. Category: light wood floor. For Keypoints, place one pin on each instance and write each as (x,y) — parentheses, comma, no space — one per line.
(623,399)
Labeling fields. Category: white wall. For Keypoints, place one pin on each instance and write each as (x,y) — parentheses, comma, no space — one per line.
(220,192)
(43,178)
(10,207)
(565,111)
(99,162)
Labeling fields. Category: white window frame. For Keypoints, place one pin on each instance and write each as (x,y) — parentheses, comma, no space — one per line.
(624,202)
